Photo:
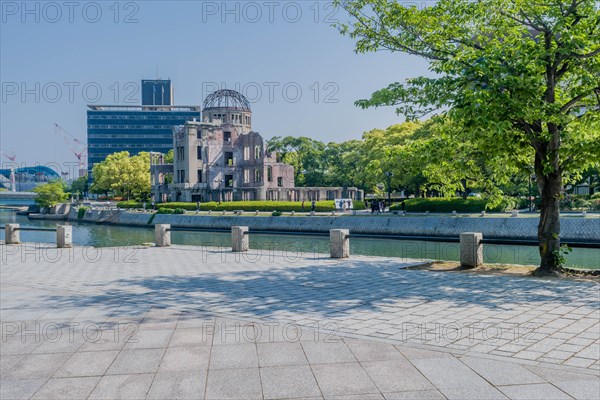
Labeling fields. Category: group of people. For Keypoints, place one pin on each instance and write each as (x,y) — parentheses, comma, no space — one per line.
(377,206)
(344,205)
(313,205)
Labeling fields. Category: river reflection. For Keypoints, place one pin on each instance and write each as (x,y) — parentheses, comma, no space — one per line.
(86,234)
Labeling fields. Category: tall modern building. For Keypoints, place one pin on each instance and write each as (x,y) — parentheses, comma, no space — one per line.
(157,92)
(114,128)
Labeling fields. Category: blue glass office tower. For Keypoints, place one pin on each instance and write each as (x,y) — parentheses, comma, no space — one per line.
(157,92)
(133,128)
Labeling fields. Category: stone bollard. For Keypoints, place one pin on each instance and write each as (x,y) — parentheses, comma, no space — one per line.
(333,213)
(583,214)
(256,212)
(11,234)
(454,213)
(223,212)
(427,213)
(312,213)
(514,213)
(162,235)
(483,213)
(239,238)
(64,236)
(292,213)
(471,249)
(339,243)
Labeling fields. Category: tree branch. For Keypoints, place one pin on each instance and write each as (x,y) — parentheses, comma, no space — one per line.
(569,104)
(588,55)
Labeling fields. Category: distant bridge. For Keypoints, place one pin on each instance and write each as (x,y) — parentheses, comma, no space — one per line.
(39,170)
(17,195)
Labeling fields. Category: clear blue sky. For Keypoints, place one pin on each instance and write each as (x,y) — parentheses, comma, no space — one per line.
(195,44)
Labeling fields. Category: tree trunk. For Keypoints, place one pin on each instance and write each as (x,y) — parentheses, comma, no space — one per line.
(550,187)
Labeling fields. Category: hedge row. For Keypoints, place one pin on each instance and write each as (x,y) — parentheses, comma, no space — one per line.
(443,204)
(271,206)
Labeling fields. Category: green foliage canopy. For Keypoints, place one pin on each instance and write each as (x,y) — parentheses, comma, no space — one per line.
(51,193)
(123,175)
(519,78)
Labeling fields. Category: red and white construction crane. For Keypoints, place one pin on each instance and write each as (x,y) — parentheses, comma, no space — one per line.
(12,157)
(77,147)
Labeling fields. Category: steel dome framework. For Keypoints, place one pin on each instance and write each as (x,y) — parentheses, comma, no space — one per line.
(227,98)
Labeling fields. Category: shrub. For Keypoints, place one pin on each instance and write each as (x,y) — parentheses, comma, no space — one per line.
(81,212)
(449,204)
(575,202)
(324,206)
(178,211)
(276,213)
(164,210)
(130,204)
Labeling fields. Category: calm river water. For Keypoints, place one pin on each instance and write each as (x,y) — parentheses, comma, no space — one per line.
(86,234)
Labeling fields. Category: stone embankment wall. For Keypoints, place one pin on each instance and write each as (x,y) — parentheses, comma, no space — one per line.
(572,228)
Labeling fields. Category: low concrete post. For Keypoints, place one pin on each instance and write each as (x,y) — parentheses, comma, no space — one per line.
(239,238)
(11,234)
(454,213)
(339,243)
(583,214)
(64,236)
(515,213)
(483,213)
(162,235)
(471,249)
(312,213)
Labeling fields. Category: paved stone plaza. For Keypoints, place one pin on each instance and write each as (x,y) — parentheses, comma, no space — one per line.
(191,322)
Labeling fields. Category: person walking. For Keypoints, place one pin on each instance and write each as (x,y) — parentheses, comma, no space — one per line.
(313,205)
(302,205)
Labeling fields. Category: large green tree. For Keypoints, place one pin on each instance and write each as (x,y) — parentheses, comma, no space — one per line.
(79,186)
(304,154)
(519,77)
(123,175)
(51,193)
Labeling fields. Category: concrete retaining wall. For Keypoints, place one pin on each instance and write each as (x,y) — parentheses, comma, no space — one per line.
(572,228)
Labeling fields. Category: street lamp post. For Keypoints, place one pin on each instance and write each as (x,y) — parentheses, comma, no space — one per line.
(529,198)
(389,186)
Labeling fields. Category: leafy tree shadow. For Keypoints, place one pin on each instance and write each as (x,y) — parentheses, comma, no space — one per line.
(326,289)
